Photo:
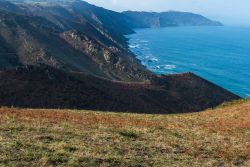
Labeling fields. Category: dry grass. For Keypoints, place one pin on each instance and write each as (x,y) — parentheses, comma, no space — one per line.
(219,137)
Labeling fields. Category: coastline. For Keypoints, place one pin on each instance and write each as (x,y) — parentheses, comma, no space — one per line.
(141,46)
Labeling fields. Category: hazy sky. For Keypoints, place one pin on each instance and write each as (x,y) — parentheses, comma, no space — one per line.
(228,11)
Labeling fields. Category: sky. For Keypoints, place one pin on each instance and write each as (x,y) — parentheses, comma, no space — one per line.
(229,12)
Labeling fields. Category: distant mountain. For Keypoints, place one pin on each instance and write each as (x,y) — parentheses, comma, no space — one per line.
(71,54)
(165,19)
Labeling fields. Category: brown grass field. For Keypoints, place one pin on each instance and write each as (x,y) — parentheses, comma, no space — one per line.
(216,137)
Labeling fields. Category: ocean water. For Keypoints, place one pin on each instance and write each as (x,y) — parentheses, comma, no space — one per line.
(218,54)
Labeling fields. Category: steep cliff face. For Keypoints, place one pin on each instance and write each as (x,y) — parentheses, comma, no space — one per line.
(112,61)
(165,19)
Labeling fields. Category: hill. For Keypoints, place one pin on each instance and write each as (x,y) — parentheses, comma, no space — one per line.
(47,87)
(32,137)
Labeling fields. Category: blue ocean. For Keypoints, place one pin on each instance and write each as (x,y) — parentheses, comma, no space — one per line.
(218,54)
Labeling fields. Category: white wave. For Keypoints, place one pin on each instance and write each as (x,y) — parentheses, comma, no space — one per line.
(164,67)
(169,67)
(157,67)
(132,46)
(151,59)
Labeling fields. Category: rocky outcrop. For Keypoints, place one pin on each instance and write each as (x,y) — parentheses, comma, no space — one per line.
(113,61)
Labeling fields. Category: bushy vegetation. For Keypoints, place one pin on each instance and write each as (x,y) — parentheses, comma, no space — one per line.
(219,137)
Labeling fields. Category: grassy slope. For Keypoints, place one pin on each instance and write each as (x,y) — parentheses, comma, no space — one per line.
(219,137)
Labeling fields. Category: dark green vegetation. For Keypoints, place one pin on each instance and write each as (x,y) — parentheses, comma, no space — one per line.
(75,55)
(219,137)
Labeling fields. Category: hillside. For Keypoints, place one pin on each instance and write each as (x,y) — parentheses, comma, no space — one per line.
(74,36)
(218,137)
(47,87)
(71,54)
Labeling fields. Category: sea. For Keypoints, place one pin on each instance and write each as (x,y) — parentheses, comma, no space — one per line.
(218,54)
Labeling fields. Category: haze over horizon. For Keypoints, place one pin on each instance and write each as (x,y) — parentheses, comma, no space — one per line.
(229,12)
